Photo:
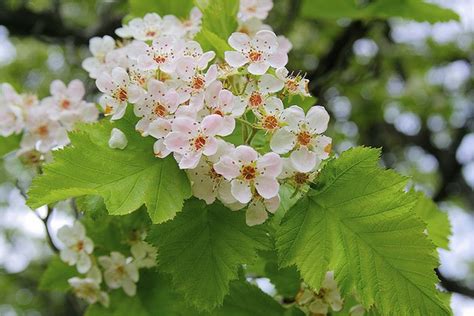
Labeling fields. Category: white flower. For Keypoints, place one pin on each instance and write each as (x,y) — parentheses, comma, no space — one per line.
(319,302)
(149,28)
(192,82)
(78,246)
(257,210)
(256,95)
(269,114)
(42,132)
(247,171)
(293,84)
(66,104)
(295,177)
(89,290)
(192,25)
(144,254)
(260,52)
(302,137)
(254,9)
(191,139)
(118,91)
(193,49)
(252,26)
(117,140)
(99,47)
(120,272)
(11,115)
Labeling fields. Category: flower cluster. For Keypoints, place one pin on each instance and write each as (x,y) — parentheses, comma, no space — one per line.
(44,123)
(119,271)
(193,103)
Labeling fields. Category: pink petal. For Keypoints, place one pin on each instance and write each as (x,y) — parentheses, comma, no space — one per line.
(185,125)
(278,59)
(267,186)
(212,124)
(241,191)
(227,168)
(235,59)
(303,160)
(211,146)
(270,165)
(160,149)
(245,154)
(190,160)
(265,41)
(318,119)
(176,142)
(76,90)
(159,128)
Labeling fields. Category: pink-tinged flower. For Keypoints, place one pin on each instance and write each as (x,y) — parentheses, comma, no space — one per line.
(145,29)
(78,246)
(192,25)
(249,172)
(119,91)
(295,177)
(42,133)
(254,9)
(190,139)
(206,183)
(193,49)
(99,47)
(256,94)
(294,84)
(162,54)
(160,102)
(120,272)
(139,76)
(223,103)
(302,136)
(260,52)
(66,104)
(11,114)
(269,115)
(257,210)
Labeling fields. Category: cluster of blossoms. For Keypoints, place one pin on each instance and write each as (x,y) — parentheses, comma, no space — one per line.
(190,101)
(119,271)
(44,123)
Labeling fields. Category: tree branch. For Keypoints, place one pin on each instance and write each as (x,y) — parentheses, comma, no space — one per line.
(454,286)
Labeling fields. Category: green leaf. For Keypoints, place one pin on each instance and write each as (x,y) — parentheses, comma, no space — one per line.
(437,221)
(202,249)
(9,144)
(56,275)
(359,223)
(219,21)
(180,8)
(417,10)
(125,179)
(287,280)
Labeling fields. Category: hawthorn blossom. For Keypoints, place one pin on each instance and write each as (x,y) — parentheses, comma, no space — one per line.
(302,137)
(293,84)
(11,114)
(192,25)
(254,9)
(42,133)
(78,246)
(248,172)
(99,47)
(269,115)
(261,52)
(193,49)
(191,82)
(117,140)
(294,177)
(257,93)
(150,27)
(67,105)
(319,302)
(144,254)
(257,210)
(89,290)
(118,92)
(252,26)
(191,139)
(120,272)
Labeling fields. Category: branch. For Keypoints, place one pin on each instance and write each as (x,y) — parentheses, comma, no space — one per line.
(48,26)
(454,286)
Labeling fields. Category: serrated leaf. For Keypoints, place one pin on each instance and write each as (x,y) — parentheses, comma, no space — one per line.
(126,179)
(202,249)
(179,8)
(9,144)
(56,275)
(437,221)
(286,279)
(359,223)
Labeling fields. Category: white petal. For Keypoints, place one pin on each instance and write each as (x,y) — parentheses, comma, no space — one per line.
(258,68)
(256,214)
(318,119)
(282,141)
(239,41)
(241,191)
(267,187)
(303,160)
(235,59)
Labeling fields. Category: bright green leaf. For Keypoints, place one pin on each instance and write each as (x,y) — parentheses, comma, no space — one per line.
(180,8)
(125,179)
(9,144)
(334,9)
(359,223)
(56,275)
(202,249)
(286,279)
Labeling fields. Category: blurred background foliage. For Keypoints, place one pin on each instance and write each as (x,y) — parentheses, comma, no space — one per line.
(389,75)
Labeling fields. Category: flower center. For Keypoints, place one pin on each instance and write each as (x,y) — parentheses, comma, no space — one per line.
(270,122)
(248,172)
(255,99)
(121,270)
(151,33)
(159,59)
(255,56)
(219,112)
(199,142)
(65,104)
(327,148)
(301,178)
(160,110)
(121,94)
(304,138)
(43,130)
(292,85)
(80,245)
(213,174)
(197,83)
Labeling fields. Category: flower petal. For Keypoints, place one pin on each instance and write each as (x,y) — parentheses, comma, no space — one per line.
(241,191)
(303,160)
(318,119)
(270,165)
(245,154)
(267,186)
(256,214)
(282,141)
(235,59)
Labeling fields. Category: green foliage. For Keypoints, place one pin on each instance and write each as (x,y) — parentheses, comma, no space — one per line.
(9,144)
(417,10)
(202,249)
(359,223)
(437,221)
(218,22)
(163,7)
(286,279)
(56,275)
(126,179)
